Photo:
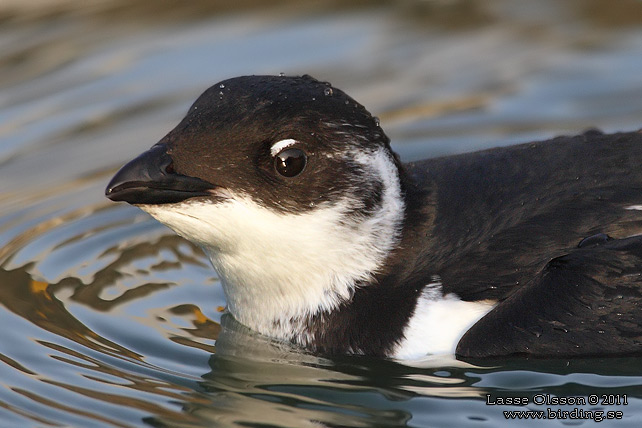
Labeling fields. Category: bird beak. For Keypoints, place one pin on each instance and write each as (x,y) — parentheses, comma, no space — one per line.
(151,179)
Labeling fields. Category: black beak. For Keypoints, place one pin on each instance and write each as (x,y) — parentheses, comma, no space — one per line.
(150,179)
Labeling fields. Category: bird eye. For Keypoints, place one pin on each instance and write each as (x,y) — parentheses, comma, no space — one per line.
(290,162)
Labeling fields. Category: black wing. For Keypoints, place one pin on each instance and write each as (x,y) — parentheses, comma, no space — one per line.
(585,303)
(495,217)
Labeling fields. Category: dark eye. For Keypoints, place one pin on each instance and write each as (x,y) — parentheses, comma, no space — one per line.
(290,162)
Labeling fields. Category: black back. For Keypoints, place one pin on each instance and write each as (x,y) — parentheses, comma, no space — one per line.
(491,220)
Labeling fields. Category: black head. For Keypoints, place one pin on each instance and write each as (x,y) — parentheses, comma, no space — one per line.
(287,183)
(290,143)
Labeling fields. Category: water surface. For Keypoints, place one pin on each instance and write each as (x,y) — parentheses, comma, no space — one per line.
(109,319)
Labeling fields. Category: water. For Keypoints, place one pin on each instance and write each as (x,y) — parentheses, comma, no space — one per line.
(110,320)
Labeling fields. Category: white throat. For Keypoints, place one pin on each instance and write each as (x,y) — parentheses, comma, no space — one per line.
(278,268)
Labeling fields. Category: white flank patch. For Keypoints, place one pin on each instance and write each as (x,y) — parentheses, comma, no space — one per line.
(634,207)
(438,323)
(278,268)
(280,145)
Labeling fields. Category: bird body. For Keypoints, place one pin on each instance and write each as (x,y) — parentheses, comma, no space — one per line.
(323,237)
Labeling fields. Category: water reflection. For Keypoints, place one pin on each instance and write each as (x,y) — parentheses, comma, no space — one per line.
(74,365)
(247,379)
(111,320)
(255,381)
(34,301)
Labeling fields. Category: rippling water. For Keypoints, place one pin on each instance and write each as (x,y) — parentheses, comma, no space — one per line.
(109,319)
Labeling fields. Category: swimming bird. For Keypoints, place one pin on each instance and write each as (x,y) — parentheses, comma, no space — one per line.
(321,236)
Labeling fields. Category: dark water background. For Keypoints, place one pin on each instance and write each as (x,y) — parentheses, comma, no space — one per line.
(107,319)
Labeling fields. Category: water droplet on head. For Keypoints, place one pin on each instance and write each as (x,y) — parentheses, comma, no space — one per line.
(281,74)
(376,121)
(221,86)
(327,92)
(347,102)
(314,99)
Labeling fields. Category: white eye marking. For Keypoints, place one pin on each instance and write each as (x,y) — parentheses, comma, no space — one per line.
(280,145)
